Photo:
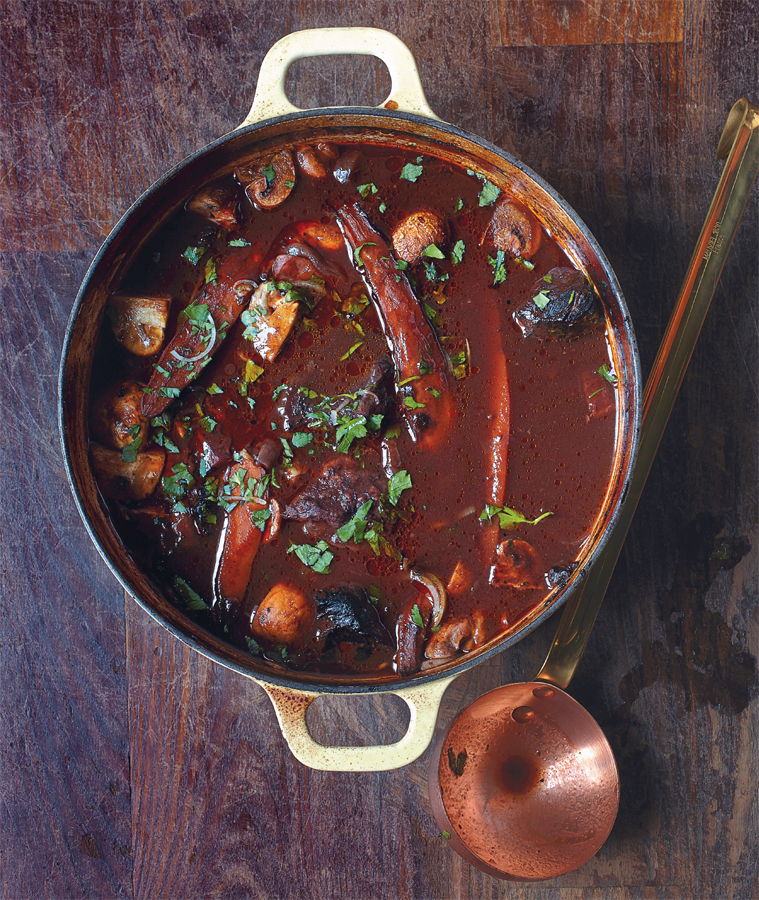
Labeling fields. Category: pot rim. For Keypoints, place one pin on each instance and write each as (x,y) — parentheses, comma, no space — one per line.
(226,654)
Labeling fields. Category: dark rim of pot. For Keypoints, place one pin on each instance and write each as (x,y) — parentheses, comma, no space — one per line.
(226,654)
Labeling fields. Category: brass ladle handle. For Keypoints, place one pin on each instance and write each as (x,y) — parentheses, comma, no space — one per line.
(740,144)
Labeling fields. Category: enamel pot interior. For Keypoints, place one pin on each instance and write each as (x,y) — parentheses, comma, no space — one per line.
(152,211)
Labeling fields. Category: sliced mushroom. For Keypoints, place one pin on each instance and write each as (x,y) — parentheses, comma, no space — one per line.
(316,160)
(139,322)
(561,299)
(517,565)
(218,203)
(269,182)
(416,233)
(117,419)
(447,640)
(284,616)
(514,229)
(122,480)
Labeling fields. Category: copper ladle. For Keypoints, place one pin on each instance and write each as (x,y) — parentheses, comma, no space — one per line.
(524,783)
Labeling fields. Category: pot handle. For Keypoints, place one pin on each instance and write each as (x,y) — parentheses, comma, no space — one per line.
(406,92)
(291,706)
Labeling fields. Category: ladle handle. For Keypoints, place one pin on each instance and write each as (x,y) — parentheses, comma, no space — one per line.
(740,144)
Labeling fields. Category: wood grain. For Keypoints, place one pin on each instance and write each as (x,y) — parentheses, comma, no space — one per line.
(551,23)
(133,767)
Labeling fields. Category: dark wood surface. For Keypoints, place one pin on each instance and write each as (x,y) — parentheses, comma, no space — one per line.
(132,767)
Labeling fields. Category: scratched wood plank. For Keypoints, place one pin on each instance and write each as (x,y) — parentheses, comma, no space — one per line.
(64,770)
(547,23)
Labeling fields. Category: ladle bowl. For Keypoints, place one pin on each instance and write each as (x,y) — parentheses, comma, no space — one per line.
(524,783)
(527,785)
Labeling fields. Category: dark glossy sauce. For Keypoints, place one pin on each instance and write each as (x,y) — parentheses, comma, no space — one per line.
(560,455)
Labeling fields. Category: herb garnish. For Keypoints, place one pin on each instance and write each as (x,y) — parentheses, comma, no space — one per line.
(317,558)
(357,252)
(411,171)
(498,262)
(400,482)
(508,518)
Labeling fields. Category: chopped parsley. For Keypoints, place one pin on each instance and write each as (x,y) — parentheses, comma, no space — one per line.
(416,616)
(457,253)
(433,252)
(129,452)
(400,482)
(302,438)
(355,529)
(498,262)
(366,189)
(316,557)
(489,194)
(410,403)
(604,371)
(211,276)
(193,602)
(508,518)
(411,171)
(194,254)
(270,174)
(357,252)
(541,300)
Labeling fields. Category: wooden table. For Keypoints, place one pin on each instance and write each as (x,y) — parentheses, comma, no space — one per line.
(132,767)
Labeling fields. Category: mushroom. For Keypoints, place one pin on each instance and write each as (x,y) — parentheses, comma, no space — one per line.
(218,203)
(316,160)
(284,616)
(514,229)
(447,640)
(268,182)
(121,480)
(417,232)
(560,299)
(117,419)
(139,322)
(517,565)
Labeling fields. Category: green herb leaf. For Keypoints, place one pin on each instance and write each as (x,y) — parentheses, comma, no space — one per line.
(270,174)
(239,242)
(211,276)
(541,300)
(457,253)
(214,389)
(498,262)
(508,518)
(317,558)
(400,482)
(192,600)
(410,403)
(301,438)
(489,194)
(352,350)
(410,172)
(417,616)
(356,527)
(604,371)
(366,189)
(194,254)
(434,252)
(357,252)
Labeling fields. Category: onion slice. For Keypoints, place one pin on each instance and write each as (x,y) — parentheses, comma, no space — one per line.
(437,592)
(206,350)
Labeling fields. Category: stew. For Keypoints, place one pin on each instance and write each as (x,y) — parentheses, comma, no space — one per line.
(354,409)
